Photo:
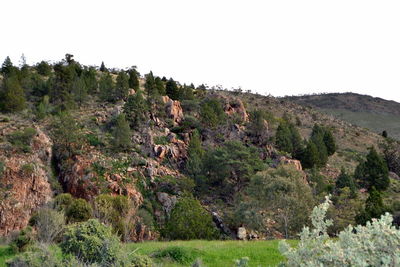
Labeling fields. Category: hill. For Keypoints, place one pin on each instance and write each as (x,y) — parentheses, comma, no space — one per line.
(374,113)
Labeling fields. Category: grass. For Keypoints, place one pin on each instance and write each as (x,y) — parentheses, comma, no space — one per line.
(218,253)
(5,254)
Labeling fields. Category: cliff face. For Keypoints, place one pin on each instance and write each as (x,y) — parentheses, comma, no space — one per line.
(24,184)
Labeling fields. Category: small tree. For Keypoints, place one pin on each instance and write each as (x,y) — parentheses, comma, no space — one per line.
(345,180)
(49,224)
(121,86)
(103,67)
(189,220)
(310,156)
(133,79)
(106,87)
(12,95)
(79,211)
(43,68)
(172,89)
(135,109)
(122,134)
(374,207)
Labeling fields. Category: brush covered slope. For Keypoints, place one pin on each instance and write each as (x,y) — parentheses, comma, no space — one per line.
(155,159)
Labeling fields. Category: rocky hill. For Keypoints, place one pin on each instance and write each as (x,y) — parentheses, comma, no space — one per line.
(373,113)
(94,133)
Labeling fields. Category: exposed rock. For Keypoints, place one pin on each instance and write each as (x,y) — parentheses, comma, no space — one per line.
(241,233)
(294,162)
(236,107)
(24,184)
(174,110)
(220,224)
(167,201)
(394,176)
(131,92)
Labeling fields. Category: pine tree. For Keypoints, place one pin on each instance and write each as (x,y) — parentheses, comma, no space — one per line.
(7,68)
(330,143)
(195,155)
(172,89)
(150,85)
(374,207)
(374,171)
(310,156)
(345,180)
(79,91)
(317,137)
(103,67)
(121,86)
(160,86)
(133,79)
(106,87)
(283,138)
(135,109)
(122,134)
(297,142)
(12,96)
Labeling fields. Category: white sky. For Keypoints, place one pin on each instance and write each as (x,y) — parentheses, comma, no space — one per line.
(279,47)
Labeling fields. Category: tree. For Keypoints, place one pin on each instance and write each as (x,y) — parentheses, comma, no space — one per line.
(89,77)
(385,134)
(103,67)
(374,171)
(150,86)
(317,137)
(133,78)
(135,109)
(189,220)
(329,142)
(172,89)
(309,159)
(49,224)
(258,126)
(43,68)
(121,86)
(374,207)
(79,91)
(160,86)
(12,96)
(79,211)
(106,87)
(195,156)
(345,180)
(281,194)
(7,68)
(122,134)
(212,112)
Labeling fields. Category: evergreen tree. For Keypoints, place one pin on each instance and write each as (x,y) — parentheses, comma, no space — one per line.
(385,134)
(106,87)
(79,91)
(212,112)
(103,67)
(186,93)
(160,86)
(89,77)
(122,134)
(43,108)
(12,95)
(121,86)
(329,142)
(374,171)
(297,142)
(317,137)
(345,180)
(195,155)
(43,68)
(172,89)
(150,85)
(135,109)
(133,79)
(374,207)
(310,156)
(283,138)
(258,127)
(7,68)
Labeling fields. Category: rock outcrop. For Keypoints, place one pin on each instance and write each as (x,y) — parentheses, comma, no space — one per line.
(24,184)
(173,109)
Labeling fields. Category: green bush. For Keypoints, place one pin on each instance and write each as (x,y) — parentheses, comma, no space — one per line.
(38,256)
(180,255)
(63,201)
(23,240)
(141,261)
(189,220)
(28,169)
(79,211)
(91,242)
(21,140)
(161,140)
(2,168)
(49,224)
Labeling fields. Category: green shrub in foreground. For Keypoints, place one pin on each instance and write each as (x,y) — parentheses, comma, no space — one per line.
(91,242)
(178,254)
(376,244)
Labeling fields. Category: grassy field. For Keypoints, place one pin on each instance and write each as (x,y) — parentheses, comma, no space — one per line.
(219,253)
(212,253)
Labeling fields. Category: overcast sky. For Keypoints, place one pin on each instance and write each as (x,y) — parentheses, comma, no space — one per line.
(278,47)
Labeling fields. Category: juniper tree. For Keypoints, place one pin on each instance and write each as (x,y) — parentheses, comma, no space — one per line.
(135,109)
(12,95)
(122,134)
(172,89)
(133,78)
(106,87)
(121,86)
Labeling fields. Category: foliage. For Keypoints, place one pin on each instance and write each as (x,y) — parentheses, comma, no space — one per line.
(135,109)
(23,240)
(345,180)
(91,242)
(189,220)
(133,78)
(228,169)
(374,207)
(21,140)
(106,87)
(122,134)
(281,194)
(212,112)
(373,172)
(38,256)
(12,95)
(288,139)
(141,261)
(172,89)
(180,255)
(78,211)
(376,244)
(121,86)
(43,68)
(49,224)
(195,155)
(259,126)
(391,154)
(63,201)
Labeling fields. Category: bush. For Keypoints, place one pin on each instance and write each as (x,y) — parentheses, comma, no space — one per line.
(376,244)
(79,211)
(63,201)
(189,220)
(91,242)
(141,261)
(39,256)
(2,168)
(23,240)
(180,255)
(21,140)
(49,224)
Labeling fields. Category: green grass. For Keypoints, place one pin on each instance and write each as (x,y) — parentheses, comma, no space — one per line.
(5,254)
(219,253)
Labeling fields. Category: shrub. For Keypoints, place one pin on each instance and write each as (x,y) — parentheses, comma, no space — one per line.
(2,168)
(376,244)
(63,201)
(23,240)
(91,242)
(79,211)
(180,255)
(161,140)
(38,256)
(28,169)
(21,140)
(141,261)
(49,224)
(189,220)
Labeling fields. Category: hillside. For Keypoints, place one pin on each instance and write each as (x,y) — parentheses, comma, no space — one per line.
(373,113)
(157,160)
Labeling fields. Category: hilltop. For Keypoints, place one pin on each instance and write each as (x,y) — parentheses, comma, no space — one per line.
(373,113)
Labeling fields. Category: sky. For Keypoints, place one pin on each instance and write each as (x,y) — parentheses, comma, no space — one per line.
(276,47)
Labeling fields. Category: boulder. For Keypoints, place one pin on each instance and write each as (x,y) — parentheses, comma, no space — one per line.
(241,233)
(173,109)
